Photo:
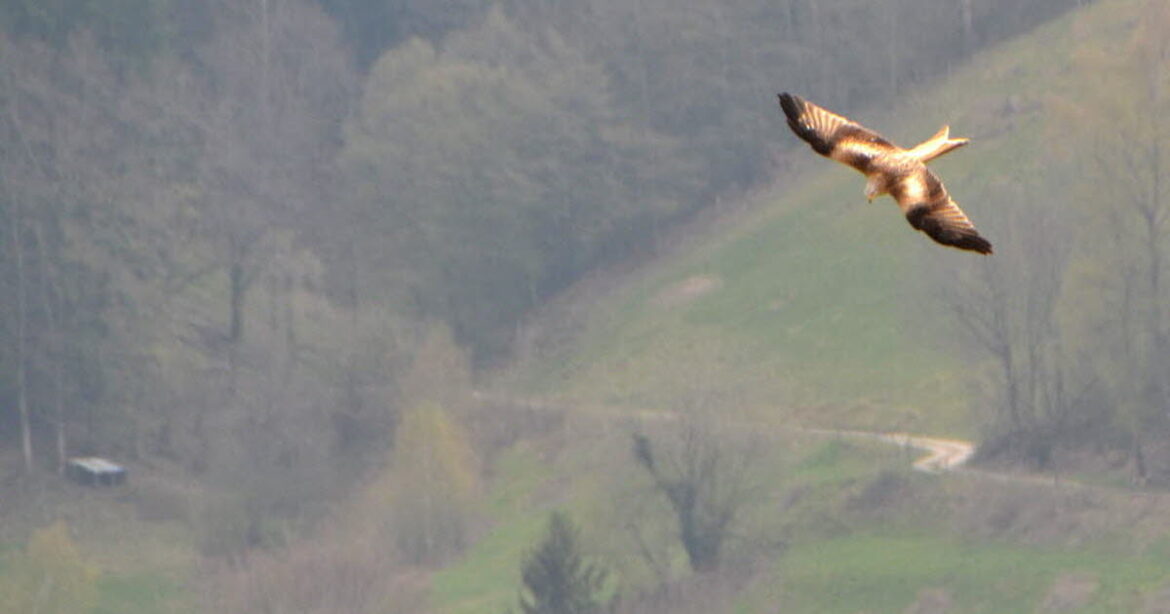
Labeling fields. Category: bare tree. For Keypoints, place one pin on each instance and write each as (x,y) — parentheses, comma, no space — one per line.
(50,297)
(17,163)
(1008,310)
(56,172)
(705,477)
(967,19)
(26,448)
(268,112)
(1123,180)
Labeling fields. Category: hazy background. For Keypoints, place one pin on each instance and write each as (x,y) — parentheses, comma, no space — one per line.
(361,289)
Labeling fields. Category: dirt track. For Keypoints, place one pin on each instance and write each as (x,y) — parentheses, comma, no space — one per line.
(941,454)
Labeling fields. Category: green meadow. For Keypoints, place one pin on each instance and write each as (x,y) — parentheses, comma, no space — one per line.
(812,305)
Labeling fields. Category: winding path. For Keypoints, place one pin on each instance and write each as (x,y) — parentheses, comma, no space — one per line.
(941,454)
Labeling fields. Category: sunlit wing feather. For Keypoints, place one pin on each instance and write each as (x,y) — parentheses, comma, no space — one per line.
(929,208)
(834,136)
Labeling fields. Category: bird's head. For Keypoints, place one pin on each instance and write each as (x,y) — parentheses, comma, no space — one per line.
(875,187)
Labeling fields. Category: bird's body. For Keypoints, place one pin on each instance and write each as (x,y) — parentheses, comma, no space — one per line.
(889,169)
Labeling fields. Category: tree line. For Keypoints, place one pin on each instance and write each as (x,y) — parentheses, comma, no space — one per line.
(1070,318)
(235,217)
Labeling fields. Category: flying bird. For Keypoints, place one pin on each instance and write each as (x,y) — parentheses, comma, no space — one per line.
(901,173)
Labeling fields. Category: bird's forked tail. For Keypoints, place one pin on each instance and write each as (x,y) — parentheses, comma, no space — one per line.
(937,145)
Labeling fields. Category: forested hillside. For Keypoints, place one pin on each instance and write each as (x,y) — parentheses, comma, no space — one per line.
(229,189)
(261,250)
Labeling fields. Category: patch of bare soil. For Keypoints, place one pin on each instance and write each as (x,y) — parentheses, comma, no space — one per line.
(931,601)
(1158,601)
(687,290)
(1070,592)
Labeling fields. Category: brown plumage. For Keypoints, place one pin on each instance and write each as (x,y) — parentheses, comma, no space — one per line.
(901,173)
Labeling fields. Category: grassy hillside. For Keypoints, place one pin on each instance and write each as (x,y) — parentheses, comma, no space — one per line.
(595,480)
(811,307)
(854,574)
(836,526)
(815,306)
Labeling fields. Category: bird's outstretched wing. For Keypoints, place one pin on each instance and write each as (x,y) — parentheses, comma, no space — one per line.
(919,192)
(834,136)
(929,208)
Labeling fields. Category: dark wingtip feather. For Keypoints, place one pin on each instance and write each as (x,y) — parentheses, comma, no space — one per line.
(920,218)
(791,106)
(794,109)
(974,243)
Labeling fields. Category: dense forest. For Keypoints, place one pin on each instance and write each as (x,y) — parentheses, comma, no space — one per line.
(270,245)
(209,205)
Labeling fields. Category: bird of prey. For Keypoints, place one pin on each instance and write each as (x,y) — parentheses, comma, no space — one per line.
(901,173)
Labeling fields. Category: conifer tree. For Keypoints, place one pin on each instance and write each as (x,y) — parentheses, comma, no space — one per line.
(557,580)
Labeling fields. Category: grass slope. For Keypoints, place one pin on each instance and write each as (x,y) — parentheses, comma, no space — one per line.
(595,480)
(862,533)
(889,573)
(818,303)
(813,307)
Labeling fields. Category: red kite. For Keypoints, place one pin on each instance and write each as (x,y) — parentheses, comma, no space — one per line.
(901,173)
